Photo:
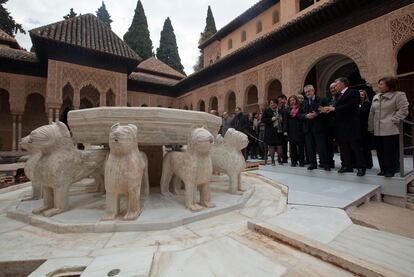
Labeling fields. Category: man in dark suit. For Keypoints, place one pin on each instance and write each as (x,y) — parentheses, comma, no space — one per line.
(314,128)
(348,133)
(240,122)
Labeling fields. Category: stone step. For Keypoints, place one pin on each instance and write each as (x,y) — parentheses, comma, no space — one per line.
(395,186)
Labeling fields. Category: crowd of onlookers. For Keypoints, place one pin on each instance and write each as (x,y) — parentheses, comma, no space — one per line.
(310,125)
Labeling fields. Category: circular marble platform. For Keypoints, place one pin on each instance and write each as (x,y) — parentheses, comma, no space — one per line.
(158,212)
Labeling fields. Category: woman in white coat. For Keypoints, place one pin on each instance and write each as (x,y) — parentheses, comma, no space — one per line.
(388,108)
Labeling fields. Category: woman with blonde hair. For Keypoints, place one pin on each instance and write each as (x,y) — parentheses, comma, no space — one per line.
(389,107)
(292,128)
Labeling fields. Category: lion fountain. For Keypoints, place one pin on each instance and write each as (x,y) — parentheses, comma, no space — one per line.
(193,167)
(58,165)
(227,157)
(126,172)
(125,160)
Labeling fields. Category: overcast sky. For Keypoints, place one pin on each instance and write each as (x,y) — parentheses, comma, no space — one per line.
(187,16)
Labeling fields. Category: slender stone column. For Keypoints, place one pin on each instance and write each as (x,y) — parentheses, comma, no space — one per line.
(76,99)
(50,116)
(57,114)
(14,133)
(102,99)
(19,131)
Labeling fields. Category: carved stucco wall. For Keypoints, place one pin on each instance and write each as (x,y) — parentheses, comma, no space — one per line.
(19,87)
(61,73)
(137,99)
(373,47)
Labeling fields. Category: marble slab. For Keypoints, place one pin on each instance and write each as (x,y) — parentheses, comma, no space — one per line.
(220,257)
(124,264)
(317,223)
(315,191)
(62,265)
(381,248)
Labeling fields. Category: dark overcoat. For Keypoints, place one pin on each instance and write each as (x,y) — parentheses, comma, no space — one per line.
(347,122)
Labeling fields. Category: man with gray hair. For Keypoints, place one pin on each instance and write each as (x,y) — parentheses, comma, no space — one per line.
(348,132)
(315,128)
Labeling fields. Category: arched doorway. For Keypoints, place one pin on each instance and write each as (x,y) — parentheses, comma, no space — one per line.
(67,103)
(405,73)
(34,113)
(252,100)
(89,97)
(6,122)
(331,67)
(214,103)
(231,102)
(201,106)
(274,90)
(110,98)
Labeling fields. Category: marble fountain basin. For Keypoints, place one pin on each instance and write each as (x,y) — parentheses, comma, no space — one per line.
(156,126)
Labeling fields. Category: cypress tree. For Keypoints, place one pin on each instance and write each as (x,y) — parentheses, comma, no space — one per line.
(70,14)
(208,32)
(7,22)
(138,36)
(168,50)
(103,15)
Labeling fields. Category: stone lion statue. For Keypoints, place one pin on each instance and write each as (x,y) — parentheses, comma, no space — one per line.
(126,172)
(59,165)
(227,157)
(30,167)
(193,167)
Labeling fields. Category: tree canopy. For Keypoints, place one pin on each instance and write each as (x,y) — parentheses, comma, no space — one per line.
(138,36)
(7,23)
(70,14)
(208,32)
(103,14)
(168,50)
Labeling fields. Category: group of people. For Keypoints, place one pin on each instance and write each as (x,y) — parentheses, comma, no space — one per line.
(314,126)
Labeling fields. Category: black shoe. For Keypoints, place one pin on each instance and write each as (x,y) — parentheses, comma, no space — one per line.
(312,167)
(327,168)
(361,172)
(344,169)
(294,165)
(389,174)
(301,164)
(381,173)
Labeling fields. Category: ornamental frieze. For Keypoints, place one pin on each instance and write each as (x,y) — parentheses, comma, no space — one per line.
(273,71)
(250,78)
(402,28)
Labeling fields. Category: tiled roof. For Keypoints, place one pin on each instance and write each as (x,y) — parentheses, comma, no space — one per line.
(5,38)
(155,65)
(149,78)
(17,54)
(248,15)
(86,31)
